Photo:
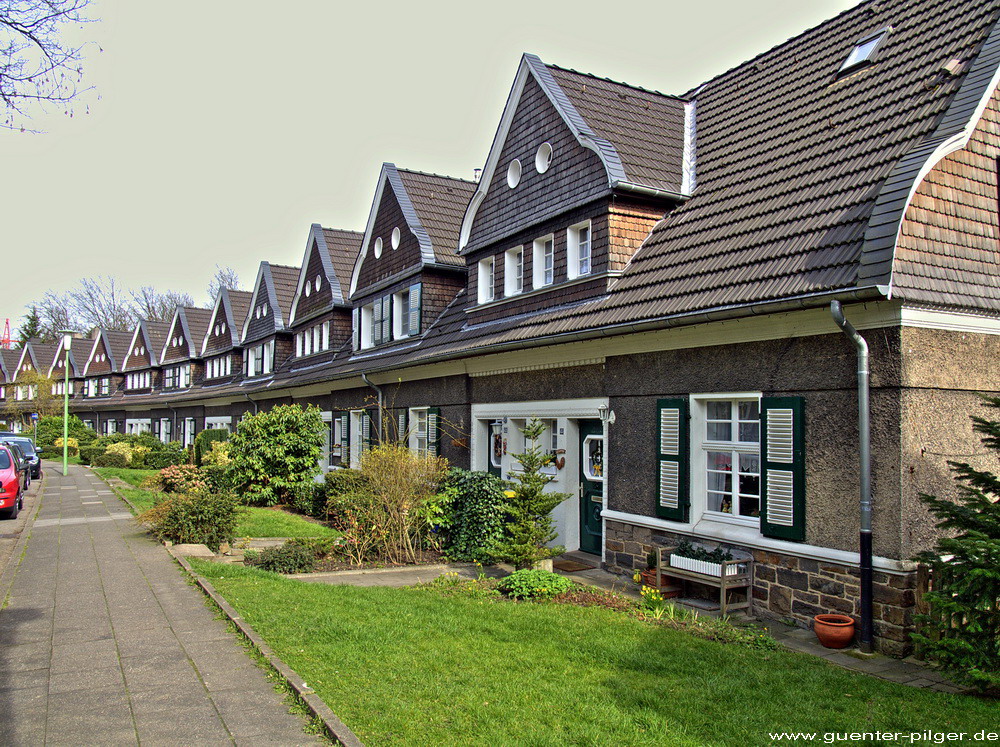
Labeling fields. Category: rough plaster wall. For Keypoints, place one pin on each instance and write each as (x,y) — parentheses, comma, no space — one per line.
(942,373)
(822,370)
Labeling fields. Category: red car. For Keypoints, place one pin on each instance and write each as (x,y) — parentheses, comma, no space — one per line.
(11,500)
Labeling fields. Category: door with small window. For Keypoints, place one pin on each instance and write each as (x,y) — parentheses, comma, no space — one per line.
(498,446)
(591,484)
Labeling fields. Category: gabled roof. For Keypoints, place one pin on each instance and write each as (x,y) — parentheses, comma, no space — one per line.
(8,363)
(150,335)
(640,136)
(41,355)
(192,322)
(73,348)
(117,344)
(233,305)
(433,206)
(277,283)
(337,250)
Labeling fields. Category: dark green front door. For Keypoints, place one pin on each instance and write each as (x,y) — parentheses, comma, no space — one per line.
(591,484)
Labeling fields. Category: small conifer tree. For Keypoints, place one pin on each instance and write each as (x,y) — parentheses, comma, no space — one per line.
(962,630)
(529,525)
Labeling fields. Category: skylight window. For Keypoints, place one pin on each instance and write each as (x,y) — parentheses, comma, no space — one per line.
(864,51)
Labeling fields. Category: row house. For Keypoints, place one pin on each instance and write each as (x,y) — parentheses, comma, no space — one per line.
(657,278)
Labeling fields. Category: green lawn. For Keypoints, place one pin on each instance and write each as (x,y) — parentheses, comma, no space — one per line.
(407,666)
(257,522)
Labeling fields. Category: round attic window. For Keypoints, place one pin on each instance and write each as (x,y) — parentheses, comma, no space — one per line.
(543,158)
(309,289)
(378,247)
(142,350)
(514,173)
(395,238)
(319,282)
(223,328)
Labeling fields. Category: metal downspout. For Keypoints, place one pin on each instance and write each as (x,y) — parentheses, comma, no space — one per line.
(381,400)
(864,444)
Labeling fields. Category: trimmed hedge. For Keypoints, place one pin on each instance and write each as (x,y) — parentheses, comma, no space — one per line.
(110,460)
(163,459)
(89,453)
(203,441)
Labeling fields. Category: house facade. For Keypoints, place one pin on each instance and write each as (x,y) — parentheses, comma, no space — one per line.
(652,275)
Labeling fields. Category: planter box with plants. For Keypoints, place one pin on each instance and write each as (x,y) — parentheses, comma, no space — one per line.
(715,567)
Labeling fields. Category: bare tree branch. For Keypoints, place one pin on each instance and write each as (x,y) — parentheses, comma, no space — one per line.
(37,67)
(153,305)
(225,277)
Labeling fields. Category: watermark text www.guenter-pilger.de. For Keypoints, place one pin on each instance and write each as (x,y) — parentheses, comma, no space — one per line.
(984,736)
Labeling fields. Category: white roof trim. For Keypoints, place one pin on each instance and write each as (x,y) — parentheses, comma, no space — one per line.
(264,279)
(317,239)
(212,320)
(93,351)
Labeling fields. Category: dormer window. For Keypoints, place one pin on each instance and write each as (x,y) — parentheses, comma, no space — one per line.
(578,250)
(543,260)
(864,51)
(486,280)
(513,271)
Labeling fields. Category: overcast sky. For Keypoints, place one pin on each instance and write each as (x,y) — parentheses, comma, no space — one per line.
(224,129)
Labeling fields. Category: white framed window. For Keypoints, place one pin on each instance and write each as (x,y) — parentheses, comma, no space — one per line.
(417,431)
(549,441)
(189,432)
(513,271)
(325,336)
(578,250)
(165,430)
(543,262)
(105,386)
(219,421)
(298,345)
(486,280)
(725,453)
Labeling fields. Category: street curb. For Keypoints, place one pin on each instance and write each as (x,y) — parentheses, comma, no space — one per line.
(14,562)
(335,728)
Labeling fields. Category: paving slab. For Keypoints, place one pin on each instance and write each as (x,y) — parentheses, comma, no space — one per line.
(104,641)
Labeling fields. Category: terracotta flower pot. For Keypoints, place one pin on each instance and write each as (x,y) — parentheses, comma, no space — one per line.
(834,631)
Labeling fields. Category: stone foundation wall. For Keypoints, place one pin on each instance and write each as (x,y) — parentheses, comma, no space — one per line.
(790,588)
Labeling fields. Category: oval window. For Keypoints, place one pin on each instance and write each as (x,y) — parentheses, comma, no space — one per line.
(514,173)
(309,289)
(319,282)
(543,158)
(378,247)
(395,238)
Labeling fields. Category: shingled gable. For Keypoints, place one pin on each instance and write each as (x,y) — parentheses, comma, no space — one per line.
(231,308)
(8,364)
(432,207)
(114,345)
(191,323)
(148,338)
(642,140)
(38,355)
(60,355)
(330,253)
(275,286)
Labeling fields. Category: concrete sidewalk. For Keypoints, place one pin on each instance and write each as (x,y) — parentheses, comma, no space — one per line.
(103,641)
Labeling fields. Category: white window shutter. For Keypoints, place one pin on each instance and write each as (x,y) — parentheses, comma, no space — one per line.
(414,310)
(433,431)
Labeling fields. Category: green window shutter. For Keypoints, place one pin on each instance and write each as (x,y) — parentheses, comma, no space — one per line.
(414,310)
(401,426)
(672,447)
(783,468)
(366,432)
(434,431)
(345,438)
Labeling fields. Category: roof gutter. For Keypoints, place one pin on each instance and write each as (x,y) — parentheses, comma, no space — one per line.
(650,191)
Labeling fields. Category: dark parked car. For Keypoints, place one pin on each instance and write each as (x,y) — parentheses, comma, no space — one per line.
(28,447)
(11,498)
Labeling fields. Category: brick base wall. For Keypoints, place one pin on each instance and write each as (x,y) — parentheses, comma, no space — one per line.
(790,588)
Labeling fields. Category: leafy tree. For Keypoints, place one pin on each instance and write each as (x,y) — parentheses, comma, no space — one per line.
(529,522)
(37,67)
(44,402)
(30,327)
(962,631)
(275,454)
(50,427)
